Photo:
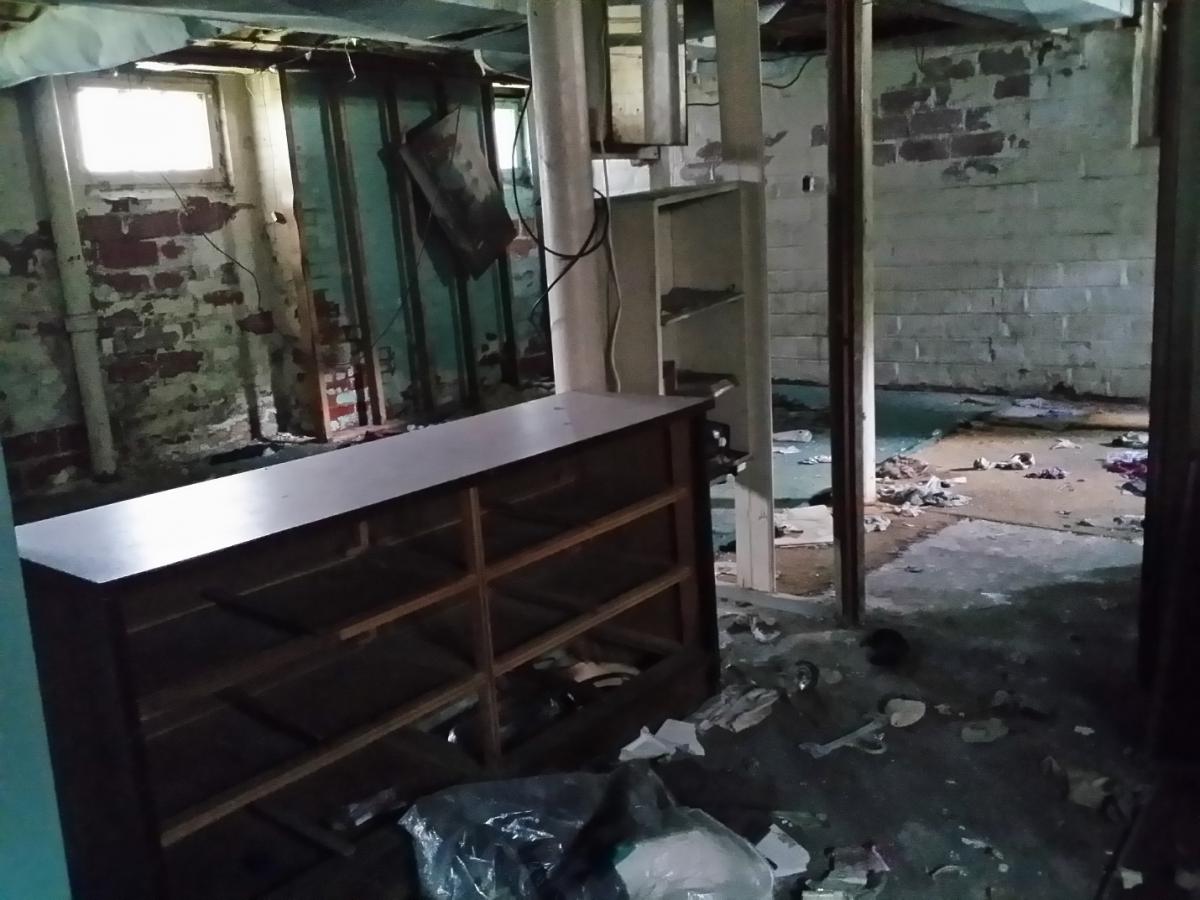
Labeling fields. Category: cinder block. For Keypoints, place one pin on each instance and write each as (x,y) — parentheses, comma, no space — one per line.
(1058,300)
(1137,300)
(1093,274)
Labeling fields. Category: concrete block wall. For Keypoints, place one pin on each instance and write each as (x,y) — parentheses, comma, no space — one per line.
(1014,220)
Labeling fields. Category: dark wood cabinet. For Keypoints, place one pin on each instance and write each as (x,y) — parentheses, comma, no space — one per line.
(228,667)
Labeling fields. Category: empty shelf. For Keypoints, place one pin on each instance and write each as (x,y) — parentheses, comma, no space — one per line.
(682,302)
(703,384)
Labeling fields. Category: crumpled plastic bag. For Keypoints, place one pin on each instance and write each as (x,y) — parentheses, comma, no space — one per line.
(578,836)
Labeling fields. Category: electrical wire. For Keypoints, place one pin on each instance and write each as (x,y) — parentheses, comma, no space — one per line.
(229,256)
(769,84)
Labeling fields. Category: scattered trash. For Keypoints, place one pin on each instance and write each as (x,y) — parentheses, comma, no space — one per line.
(1090,789)
(834,676)
(1052,474)
(736,708)
(802,818)
(984,731)
(1187,879)
(1090,523)
(1084,730)
(901,468)
(865,738)
(820,460)
(1064,444)
(977,844)
(765,629)
(804,675)
(671,736)
(1130,522)
(1135,487)
(851,871)
(915,570)
(903,712)
(909,512)
(998,597)
(786,449)
(957,479)
(1018,462)
(552,835)
(1130,878)
(876,523)
(944,709)
(886,647)
(1133,465)
(802,525)
(796,436)
(947,871)
(982,464)
(1039,408)
(933,492)
(1135,440)
(725,567)
(783,852)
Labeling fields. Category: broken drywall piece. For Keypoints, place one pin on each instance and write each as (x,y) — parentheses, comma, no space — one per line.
(803,525)
(796,436)
(876,523)
(735,709)
(765,629)
(786,855)
(1130,878)
(1064,444)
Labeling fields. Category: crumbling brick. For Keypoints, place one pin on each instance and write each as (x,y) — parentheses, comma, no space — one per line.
(127,254)
(153,225)
(123,282)
(169,280)
(1012,86)
(985,144)
(820,136)
(178,362)
(224,298)
(924,150)
(261,322)
(131,369)
(172,250)
(204,216)
(1003,61)
(884,154)
(101,228)
(977,119)
(904,99)
(891,128)
(936,121)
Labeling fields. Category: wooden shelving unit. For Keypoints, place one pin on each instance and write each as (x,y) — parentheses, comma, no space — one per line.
(688,294)
(375,622)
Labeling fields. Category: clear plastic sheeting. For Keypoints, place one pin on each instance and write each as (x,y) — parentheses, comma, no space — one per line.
(1047,13)
(578,837)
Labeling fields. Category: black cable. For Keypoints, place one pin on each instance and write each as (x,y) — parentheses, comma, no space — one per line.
(794,78)
(778,87)
(571,260)
(229,256)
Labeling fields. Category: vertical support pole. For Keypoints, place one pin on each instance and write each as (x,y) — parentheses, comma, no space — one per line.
(1174,384)
(578,329)
(849,143)
(1147,71)
(739,89)
(81,319)
(481,625)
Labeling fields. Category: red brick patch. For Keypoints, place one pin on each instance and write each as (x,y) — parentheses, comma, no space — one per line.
(127,254)
(258,323)
(224,298)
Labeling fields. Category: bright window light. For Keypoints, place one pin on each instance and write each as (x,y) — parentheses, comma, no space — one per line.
(135,130)
(504,120)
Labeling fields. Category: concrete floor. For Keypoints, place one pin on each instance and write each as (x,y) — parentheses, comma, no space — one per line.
(986,606)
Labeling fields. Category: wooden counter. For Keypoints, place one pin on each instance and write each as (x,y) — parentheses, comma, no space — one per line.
(226,666)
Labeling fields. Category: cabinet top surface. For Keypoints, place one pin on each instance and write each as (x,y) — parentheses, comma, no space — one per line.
(144,534)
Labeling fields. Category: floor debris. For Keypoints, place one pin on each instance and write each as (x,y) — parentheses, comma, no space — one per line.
(765,629)
(984,731)
(946,871)
(802,525)
(903,712)
(1084,730)
(736,708)
(1018,462)
(786,449)
(819,460)
(1134,440)
(866,738)
(1055,473)
(851,870)
(1040,408)
(933,492)
(901,468)
(672,736)
(1064,444)
(876,523)
(1130,878)
(786,856)
(795,436)
(1091,790)
(1009,702)
(1130,522)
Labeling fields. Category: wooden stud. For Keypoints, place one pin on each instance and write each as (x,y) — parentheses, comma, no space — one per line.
(485,663)
(849,123)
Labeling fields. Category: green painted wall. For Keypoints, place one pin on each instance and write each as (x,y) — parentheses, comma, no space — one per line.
(32,865)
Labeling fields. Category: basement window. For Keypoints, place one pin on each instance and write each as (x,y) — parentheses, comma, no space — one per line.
(140,134)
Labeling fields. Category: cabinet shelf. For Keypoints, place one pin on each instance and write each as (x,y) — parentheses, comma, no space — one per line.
(682,302)
(704,384)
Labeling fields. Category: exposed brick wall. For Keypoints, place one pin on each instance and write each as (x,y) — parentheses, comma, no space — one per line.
(1014,221)
(39,404)
(194,355)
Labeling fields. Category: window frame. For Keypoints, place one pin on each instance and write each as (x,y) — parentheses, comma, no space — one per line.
(217,175)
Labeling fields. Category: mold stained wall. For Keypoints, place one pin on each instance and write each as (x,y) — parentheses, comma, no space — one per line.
(199,353)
